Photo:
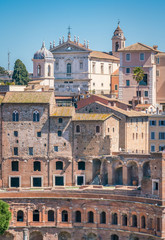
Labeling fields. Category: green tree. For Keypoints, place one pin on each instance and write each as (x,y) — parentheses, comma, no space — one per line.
(3,71)
(20,74)
(5,216)
(138,74)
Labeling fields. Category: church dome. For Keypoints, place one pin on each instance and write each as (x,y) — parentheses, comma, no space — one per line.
(43,53)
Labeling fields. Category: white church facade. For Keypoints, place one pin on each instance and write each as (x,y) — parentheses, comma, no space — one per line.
(71,68)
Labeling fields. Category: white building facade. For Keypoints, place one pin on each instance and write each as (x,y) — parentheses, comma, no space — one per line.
(79,70)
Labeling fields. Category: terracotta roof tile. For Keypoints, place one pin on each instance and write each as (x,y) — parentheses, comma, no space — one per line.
(91,117)
(64,112)
(138,47)
(102,55)
(27,97)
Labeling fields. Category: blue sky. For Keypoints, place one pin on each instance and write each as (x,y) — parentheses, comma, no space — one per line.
(26,23)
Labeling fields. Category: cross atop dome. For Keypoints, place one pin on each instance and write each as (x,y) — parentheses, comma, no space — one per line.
(69,34)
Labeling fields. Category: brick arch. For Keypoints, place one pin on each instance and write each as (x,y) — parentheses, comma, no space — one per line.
(64,236)
(91,236)
(117,172)
(7,236)
(36,235)
(132,173)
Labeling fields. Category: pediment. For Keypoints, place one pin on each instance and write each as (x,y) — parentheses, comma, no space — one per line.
(68,47)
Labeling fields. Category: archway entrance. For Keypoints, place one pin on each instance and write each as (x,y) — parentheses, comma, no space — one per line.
(91,236)
(64,236)
(36,236)
(119,176)
(132,174)
(7,236)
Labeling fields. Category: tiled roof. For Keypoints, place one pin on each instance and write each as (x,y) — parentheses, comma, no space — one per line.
(91,117)
(35,81)
(143,105)
(102,55)
(130,113)
(1,98)
(27,97)
(137,47)
(64,112)
(113,100)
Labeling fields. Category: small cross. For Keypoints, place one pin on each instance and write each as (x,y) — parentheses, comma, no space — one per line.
(118,21)
(69,28)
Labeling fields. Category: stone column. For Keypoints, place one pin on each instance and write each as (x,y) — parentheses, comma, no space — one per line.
(110,173)
(140,174)
(25,234)
(125,177)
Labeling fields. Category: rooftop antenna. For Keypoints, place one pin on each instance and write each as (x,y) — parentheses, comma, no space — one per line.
(8,61)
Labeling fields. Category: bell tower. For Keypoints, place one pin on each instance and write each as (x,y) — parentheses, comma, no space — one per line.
(118,41)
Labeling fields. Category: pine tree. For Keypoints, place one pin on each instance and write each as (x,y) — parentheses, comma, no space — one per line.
(5,216)
(20,74)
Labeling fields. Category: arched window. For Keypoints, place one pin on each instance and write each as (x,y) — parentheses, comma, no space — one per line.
(97,129)
(64,216)
(143,222)
(49,70)
(124,219)
(15,116)
(134,221)
(59,165)
(114,237)
(90,217)
(38,70)
(69,68)
(103,218)
(60,120)
(114,218)
(37,166)
(77,128)
(20,216)
(81,165)
(59,133)
(116,46)
(78,216)
(36,216)
(36,116)
(50,216)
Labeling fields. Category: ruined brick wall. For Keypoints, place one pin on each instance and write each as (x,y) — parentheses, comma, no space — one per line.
(110,205)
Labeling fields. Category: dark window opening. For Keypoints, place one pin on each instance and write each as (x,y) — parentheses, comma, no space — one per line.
(15,151)
(97,129)
(31,151)
(59,181)
(50,216)
(77,129)
(36,216)
(37,182)
(155,186)
(64,216)
(78,216)
(15,116)
(59,133)
(81,165)
(138,93)
(38,134)
(60,120)
(15,166)
(15,133)
(143,222)
(114,237)
(37,166)
(20,216)
(14,182)
(158,225)
(134,221)
(80,180)
(36,116)
(124,220)
(56,148)
(59,165)
(90,217)
(103,218)
(114,219)
(116,46)
(144,81)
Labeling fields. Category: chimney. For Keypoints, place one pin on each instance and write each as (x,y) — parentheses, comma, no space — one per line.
(155,47)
